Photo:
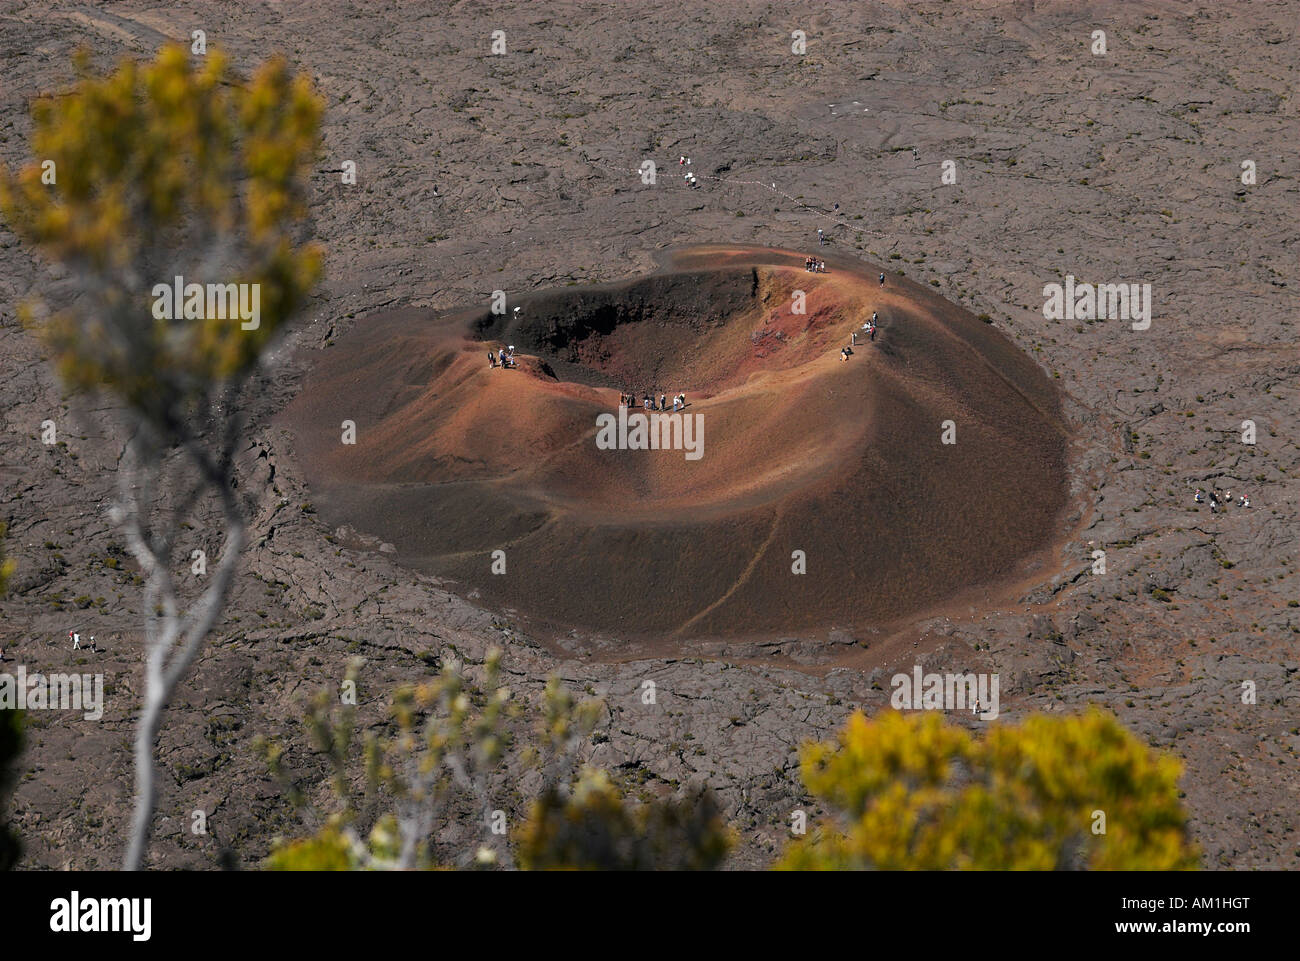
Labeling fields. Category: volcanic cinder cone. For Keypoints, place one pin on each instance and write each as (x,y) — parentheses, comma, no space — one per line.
(802,451)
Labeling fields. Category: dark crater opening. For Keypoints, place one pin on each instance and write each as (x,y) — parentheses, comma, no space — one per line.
(625,335)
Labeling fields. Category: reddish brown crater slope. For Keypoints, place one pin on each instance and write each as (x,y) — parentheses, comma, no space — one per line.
(801,452)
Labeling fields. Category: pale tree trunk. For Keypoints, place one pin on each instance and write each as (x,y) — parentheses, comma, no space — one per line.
(172,638)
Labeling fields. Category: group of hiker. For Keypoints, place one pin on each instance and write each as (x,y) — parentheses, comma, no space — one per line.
(1219,500)
(813,265)
(868,330)
(648,401)
(688,176)
(75,637)
(505,357)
